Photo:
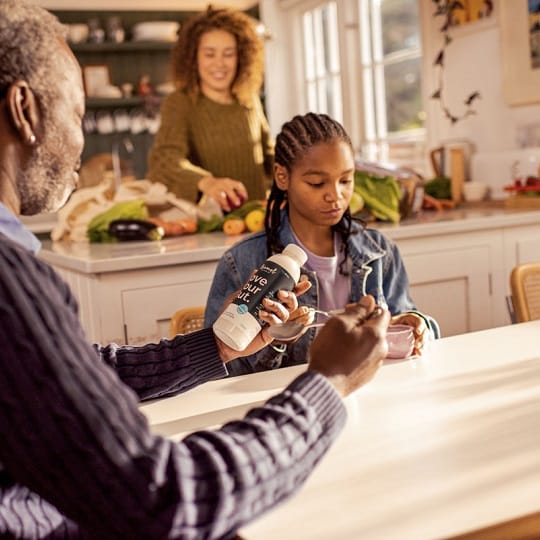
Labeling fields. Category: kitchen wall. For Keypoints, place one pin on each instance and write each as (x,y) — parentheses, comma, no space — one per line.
(473,62)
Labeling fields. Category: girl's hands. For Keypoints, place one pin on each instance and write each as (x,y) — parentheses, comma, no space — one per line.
(274,313)
(228,193)
(422,334)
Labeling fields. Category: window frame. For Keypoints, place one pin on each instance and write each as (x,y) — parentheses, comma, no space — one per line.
(352,47)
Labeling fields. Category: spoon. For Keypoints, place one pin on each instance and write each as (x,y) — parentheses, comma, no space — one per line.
(291,330)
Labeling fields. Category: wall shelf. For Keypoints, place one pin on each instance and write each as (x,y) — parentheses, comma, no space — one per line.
(126,46)
(106,103)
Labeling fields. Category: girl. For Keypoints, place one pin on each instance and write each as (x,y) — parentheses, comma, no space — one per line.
(309,205)
(214,137)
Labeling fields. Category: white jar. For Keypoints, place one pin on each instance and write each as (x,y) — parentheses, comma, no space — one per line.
(238,325)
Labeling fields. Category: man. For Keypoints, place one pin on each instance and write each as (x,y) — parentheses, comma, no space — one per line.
(77,458)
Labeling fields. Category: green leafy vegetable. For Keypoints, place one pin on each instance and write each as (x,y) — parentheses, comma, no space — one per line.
(439,188)
(213,224)
(381,195)
(98,228)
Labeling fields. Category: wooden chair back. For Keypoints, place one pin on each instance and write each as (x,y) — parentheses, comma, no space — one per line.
(187,320)
(525,289)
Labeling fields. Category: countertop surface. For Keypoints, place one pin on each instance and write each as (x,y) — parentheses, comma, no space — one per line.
(96,258)
(433,447)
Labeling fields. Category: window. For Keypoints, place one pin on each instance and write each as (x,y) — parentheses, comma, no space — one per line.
(391,61)
(388,54)
(321,61)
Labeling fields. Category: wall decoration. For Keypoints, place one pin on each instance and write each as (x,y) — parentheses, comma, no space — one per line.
(520,51)
(471,11)
(456,13)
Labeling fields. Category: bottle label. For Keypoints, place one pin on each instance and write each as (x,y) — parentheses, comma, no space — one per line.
(264,283)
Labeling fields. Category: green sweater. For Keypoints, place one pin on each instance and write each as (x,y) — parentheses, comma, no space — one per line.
(205,138)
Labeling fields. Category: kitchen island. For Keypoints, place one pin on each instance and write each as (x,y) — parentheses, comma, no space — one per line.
(433,447)
(458,262)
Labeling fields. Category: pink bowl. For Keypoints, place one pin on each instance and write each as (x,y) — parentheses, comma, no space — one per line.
(400,338)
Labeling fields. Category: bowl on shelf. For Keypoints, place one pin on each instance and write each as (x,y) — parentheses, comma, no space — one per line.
(155,31)
(77,32)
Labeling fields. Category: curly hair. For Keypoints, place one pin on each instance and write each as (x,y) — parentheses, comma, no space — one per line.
(29,48)
(293,141)
(249,74)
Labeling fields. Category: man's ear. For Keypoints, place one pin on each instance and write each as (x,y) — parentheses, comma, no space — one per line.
(281,177)
(23,111)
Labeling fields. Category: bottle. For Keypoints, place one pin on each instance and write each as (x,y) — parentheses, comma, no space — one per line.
(239,323)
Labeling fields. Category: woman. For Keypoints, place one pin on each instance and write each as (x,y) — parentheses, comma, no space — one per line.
(214,138)
(309,206)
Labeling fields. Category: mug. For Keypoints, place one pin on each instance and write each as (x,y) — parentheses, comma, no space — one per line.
(400,339)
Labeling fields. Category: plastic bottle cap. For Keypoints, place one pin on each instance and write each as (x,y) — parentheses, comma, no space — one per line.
(296,253)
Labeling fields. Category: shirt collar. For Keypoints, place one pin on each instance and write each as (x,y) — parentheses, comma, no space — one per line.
(13,228)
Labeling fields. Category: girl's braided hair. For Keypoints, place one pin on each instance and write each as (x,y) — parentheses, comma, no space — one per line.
(295,138)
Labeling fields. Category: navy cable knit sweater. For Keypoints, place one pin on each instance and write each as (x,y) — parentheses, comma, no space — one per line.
(78,458)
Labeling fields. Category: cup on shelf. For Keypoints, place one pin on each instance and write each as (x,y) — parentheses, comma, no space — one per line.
(104,122)
(121,120)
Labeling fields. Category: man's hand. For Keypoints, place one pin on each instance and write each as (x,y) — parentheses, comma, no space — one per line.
(349,348)
(274,313)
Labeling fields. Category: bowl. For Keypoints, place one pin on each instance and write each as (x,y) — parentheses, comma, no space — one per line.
(77,33)
(474,191)
(400,339)
(155,31)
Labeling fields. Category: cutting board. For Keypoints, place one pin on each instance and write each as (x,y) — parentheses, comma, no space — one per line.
(457,173)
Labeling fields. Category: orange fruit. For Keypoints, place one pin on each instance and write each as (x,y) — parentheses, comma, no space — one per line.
(234,226)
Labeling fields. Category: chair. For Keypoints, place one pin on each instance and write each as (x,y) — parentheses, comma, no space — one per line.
(187,320)
(525,289)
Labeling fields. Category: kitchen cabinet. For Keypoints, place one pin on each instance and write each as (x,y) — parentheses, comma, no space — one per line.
(458,263)
(127,292)
(126,62)
(451,279)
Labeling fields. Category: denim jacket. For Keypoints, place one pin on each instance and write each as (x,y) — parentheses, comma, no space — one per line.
(375,267)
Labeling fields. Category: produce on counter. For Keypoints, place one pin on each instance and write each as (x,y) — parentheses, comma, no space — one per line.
(85,204)
(356,204)
(381,195)
(439,188)
(528,188)
(98,228)
(135,229)
(248,217)
(431,203)
(251,213)
(255,220)
(234,226)
(176,227)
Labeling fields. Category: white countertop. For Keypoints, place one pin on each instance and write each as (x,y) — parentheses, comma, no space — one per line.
(96,258)
(433,447)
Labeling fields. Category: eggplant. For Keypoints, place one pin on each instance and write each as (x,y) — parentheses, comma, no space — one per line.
(135,229)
